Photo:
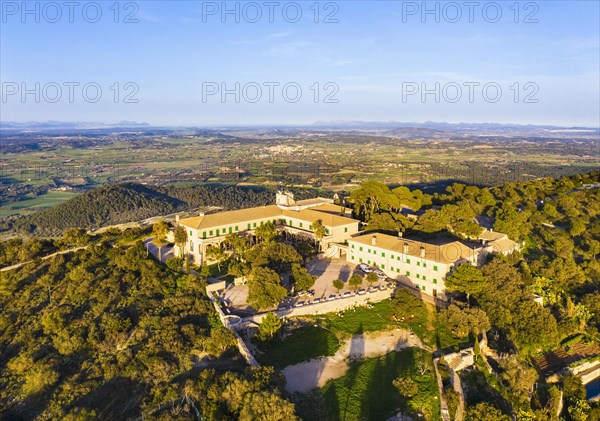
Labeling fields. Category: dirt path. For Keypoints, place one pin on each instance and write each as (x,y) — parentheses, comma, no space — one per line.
(316,372)
(18,265)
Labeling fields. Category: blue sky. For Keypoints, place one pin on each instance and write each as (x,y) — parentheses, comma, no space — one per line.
(373,59)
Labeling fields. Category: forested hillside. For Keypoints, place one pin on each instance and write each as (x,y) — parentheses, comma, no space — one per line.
(108,333)
(121,203)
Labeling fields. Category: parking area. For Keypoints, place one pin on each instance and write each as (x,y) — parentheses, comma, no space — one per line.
(326,271)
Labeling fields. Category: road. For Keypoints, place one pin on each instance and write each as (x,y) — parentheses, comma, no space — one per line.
(18,265)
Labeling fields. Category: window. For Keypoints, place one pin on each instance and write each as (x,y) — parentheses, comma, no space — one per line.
(274,221)
(211,233)
(382,266)
(254,225)
(190,233)
(217,231)
(249,225)
(236,228)
(327,231)
(360,248)
(392,268)
(435,267)
(418,263)
(417,286)
(203,234)
(346,229)
(352,246)
(368,261)
(351,257)
(424,277)
(368,250)
(424,264)
(407,273)
(300,224)
(382,254)
(392,257)
(434,281)
(191,247)
(230,230)
(398,270)
(423,287)
(408,261)
(360,260)
(418,276)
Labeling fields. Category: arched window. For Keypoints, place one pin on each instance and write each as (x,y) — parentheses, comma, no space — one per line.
(191,246)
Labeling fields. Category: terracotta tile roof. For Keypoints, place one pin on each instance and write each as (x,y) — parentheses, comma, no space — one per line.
(446,253)
(327,219)
(273,211)
(231,217)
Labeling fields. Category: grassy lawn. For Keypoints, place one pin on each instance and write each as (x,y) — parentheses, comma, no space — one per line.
(366,392)
(29,204)
(360,319)
(430,328)
(302,345)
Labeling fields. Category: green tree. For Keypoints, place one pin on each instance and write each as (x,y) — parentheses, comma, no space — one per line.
(372,277)
(406,307)
(319,231)
(159,234)
(484,411)
(216,254)
(355,281)
(181,237)
(406,386)
(372,197)
(338,284)
(269,326)
(264,288)
(301,279)
(238,244)
(466,278)
(266,232)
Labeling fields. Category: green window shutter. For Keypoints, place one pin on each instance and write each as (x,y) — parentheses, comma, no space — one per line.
(300,224)
(434,281)
(203,234)
(230,230)
(360,249)
(408,261)
(418,276)
(351,257)
(236,228)
(249,225)
(352,245)
(424,264)
(382,254)
(382,266)
(254,225)
(423,287)
(346,229)
(435,268)
(211,233)
(407,273)
(360,260)
(418,263)
(424,277)
(417,286)
(190,233)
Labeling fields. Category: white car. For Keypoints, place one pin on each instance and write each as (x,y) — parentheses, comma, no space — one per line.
(365,268)
(380,274)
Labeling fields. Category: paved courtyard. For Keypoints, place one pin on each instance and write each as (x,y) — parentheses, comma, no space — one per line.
(326,271)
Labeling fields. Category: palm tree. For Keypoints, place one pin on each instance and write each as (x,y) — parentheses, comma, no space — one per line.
(319,231)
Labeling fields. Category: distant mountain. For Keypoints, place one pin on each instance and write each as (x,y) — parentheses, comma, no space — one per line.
(67,124)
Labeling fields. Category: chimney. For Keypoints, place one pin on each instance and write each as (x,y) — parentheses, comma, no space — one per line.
(400,234)
(405,248)
(422,252)
(373,240)
(177,218)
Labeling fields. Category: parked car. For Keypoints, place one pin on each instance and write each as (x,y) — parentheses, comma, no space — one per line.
(347,294)
(333,297)
(317,300)
(299,303)
(380,274)
(365,268)
(362,291)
